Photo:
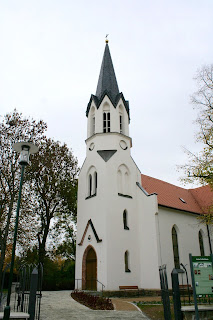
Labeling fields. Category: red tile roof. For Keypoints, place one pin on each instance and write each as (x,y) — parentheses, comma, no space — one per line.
(196,200)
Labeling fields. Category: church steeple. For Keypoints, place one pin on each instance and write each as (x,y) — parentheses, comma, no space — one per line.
(107,87)
(107,82)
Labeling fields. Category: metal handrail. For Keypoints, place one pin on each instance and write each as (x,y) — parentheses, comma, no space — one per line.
(103,286)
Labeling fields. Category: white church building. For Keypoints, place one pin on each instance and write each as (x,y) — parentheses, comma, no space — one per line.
(129,224)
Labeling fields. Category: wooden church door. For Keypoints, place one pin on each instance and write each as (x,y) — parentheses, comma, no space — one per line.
(91,270)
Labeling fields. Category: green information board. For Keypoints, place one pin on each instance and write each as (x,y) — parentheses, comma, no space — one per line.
(203,276)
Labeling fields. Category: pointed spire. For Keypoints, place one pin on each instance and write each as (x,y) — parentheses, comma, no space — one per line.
(107,79)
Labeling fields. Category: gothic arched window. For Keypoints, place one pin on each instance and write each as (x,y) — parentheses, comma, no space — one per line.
(92,121)
(125,220)
(106,117)
(126,261)
(121,120)
(93,124)
(95,182)
(126,182)
(120,189)
(92,182)
(200,236)
(175,248)
(121,123)
(124,187)
(106,121)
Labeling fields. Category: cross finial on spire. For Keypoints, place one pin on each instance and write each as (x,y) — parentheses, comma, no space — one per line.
(106,38)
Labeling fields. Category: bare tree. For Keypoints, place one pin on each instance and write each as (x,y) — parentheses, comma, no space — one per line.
(200,165)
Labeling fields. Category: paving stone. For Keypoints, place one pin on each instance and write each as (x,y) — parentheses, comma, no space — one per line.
(58,305)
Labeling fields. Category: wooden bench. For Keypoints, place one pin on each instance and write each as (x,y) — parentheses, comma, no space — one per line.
(129,288)
(185,286)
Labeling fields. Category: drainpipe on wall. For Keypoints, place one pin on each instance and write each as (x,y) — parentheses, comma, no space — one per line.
(158,235)
(210,245)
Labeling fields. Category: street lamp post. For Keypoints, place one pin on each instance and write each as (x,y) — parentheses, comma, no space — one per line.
(25,149)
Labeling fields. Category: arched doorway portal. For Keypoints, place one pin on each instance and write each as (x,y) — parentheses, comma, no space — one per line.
(89,269)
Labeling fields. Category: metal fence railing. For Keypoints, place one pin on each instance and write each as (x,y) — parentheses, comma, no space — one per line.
(26,296)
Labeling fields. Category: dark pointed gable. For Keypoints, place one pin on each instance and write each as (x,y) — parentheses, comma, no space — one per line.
(85,231)
(107,85)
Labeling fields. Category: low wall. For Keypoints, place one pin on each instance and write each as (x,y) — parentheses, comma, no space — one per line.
(132,293)
(205,312)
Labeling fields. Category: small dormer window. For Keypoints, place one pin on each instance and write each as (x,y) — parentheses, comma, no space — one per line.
(181,199)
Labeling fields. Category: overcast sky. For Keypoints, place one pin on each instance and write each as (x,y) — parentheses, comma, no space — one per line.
(50,59)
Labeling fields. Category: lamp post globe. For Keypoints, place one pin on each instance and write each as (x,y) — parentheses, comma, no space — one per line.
(25,149)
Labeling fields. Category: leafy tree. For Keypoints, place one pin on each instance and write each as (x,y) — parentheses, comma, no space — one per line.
(200,166)
(64,246)
(13,128)
(53,176)
(48,197)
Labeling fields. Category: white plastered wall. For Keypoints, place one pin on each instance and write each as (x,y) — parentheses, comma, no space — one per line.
(148,249)
(187,227)
(114,117)
(106,208)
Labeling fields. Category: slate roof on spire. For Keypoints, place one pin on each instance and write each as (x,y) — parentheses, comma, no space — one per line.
(107,80)
(107,85)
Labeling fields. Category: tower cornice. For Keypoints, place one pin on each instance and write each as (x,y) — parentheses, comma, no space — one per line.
(98,101)
(108,134)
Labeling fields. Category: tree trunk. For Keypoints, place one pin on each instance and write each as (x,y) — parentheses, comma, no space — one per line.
(4,241)
(42,243)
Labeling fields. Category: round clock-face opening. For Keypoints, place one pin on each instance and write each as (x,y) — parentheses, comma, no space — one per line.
(89,238)
(91,146)
(123,145)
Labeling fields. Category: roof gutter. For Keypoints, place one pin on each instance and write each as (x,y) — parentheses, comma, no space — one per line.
(187,211)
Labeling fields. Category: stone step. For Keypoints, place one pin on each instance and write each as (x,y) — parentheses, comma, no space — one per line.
(16,315)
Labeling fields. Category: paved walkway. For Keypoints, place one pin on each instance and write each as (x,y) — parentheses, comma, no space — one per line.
(58,305)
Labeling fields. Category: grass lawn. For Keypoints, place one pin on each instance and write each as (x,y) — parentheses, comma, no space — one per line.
(154,312)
